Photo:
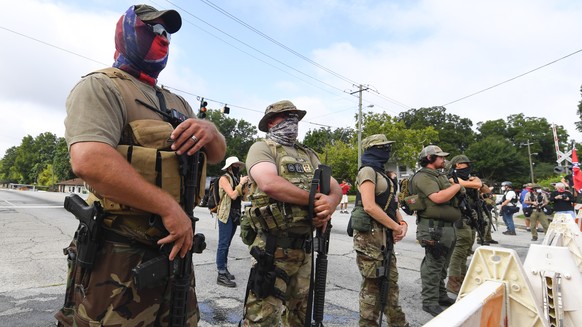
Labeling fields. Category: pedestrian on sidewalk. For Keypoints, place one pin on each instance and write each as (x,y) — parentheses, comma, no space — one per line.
(508,207)
(537,200)
(563,200)
(345,186)
(231,191)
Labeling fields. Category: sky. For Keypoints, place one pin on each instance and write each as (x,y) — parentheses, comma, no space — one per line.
(248,54)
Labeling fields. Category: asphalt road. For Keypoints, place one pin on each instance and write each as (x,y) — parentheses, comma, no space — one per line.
(34,228)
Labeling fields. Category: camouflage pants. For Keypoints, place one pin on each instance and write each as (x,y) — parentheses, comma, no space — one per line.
(368,258)
(107,296)
(271,310)
(462,250)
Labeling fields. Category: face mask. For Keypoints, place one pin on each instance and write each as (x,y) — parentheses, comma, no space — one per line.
(235,171)
(285,132)
(375,157)
(464,173)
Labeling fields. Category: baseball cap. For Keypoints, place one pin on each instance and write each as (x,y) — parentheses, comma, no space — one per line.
(432,150)
(376,139)
(171,18)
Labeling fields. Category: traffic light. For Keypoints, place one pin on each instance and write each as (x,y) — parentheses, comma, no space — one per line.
(225,109)
(202,112)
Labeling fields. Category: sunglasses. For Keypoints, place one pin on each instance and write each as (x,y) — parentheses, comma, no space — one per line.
(383,147)
(160,30)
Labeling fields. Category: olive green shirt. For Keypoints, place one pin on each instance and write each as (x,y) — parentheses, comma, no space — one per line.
(428,181)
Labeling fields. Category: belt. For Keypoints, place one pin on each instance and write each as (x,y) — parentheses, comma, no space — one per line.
(292,241)
(435,222)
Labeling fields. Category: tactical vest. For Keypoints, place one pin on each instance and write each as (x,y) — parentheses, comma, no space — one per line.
(447,211)
(145,144)
(382,199)
(272,216)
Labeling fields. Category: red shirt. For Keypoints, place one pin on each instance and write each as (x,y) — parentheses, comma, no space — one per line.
(345,188)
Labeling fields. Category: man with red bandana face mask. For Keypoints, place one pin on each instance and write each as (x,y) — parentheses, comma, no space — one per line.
(122,146)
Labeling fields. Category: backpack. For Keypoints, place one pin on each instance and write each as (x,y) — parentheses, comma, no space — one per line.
(405,197)
(213,195)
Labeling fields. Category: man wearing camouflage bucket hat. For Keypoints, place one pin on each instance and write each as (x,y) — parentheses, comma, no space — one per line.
(281,171)
(435,231)
(375,214)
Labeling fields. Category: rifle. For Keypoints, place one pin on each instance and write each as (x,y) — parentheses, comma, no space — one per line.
(478,223)
(181,268)
(384,270)
(89,231)
(316,299)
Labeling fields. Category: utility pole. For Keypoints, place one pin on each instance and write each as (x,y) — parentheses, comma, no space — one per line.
(361,88)
(530,163)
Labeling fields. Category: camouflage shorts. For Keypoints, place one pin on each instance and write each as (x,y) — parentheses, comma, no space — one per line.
(107,296)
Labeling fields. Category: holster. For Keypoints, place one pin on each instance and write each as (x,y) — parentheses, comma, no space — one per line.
(264,273)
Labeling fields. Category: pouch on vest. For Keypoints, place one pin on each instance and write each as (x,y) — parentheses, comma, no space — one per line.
(415,203)
(361,221)
(247,232)
(151,133)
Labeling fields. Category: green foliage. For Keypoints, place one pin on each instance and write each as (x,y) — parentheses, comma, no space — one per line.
(408,142)
(496,159)
(34,159)
(318,139)
(239,136)
(343,160)
(455,134)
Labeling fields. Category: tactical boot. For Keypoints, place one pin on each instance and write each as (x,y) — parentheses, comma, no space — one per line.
(223,280)
(454,285)
(534,238)
(446,302)
(493,242)
(229,275)
(434,310)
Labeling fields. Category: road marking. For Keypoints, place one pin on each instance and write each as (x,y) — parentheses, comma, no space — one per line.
(31,207)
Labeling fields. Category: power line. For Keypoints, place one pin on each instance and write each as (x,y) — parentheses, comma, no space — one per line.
(52,45)
(513,78)
(241,22)
(255,49)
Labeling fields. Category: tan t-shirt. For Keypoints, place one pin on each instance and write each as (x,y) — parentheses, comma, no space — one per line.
(97,112)
(369,174)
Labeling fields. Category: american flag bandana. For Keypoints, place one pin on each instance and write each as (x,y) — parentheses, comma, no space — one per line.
(138,50)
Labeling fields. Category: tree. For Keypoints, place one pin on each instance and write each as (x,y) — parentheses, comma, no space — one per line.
(496,159)
(408,142)
(318,139)
(239,136)
(62,161)
(7,163)
(455,134)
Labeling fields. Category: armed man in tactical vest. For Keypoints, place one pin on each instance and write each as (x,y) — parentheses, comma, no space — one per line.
(377,225)
(143,155)
(281,171)
(473,220)
(435,231)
